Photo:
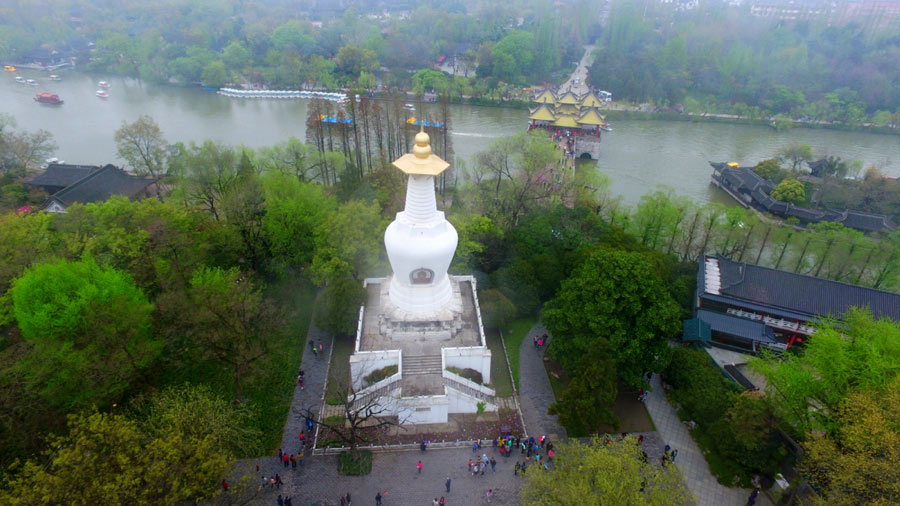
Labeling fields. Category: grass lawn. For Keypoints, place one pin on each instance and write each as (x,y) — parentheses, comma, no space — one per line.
(267,392)
(339,371)
(513,335)
(499,373)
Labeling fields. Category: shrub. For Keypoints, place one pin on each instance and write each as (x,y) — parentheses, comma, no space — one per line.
(790,190)
(496,309)
(701,389)
(380,374)
(469,374)
(355,463)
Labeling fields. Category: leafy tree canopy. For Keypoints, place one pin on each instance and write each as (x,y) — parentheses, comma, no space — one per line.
(615,301)
(89,327)
(605,475)
(789,190)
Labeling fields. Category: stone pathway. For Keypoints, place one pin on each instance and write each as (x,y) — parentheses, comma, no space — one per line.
(691,461)
(315,368)
(535,392)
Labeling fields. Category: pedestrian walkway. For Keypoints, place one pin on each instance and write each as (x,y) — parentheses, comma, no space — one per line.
(691,461)
(315,368)
(535,392)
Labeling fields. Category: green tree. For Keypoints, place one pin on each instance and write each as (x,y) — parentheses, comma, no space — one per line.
(807,389)
(769,169)
(294,211)
(90,331)
(861,463)
(236,56)
(143,146)
(231,321)
(512,56)
(586,405)
(171,467)
(337,310)
(352,61)
(615,301)
(214,75)
(496,309)
(348,242)
(604,474)
(789,190)
(796,154)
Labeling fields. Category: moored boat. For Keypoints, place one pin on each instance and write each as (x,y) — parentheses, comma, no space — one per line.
(47,98)
(102,94)
(20,79)
(9,68)
(409,107)
(103,84)
(54,77)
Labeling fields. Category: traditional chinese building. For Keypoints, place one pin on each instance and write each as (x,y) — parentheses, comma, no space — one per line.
(748,307)
(572,117)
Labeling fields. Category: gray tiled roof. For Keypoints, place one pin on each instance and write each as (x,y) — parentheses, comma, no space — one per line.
(62,175)
(102,184)
(800,293)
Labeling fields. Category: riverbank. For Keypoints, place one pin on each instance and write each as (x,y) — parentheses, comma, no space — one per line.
(624,114)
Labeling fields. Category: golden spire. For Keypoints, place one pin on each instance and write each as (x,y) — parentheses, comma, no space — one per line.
(421,162)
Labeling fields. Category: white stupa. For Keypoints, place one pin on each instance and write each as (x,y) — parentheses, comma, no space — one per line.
(421,319)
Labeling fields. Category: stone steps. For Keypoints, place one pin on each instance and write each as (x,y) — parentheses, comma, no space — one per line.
(421,364)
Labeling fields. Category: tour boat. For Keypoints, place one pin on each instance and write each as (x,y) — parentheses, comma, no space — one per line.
(9,68)
(409,107)
(52,161)
(47,98)
(31,82)
(20,79)
(102,94)
(103,84)
(54,77)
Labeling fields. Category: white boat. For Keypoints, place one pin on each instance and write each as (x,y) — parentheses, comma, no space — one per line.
(409,107)
(20,79)
(31,82)
(102,94)
(103,84)
(54,77)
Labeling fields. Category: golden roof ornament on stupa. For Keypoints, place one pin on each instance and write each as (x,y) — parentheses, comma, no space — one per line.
(421,162)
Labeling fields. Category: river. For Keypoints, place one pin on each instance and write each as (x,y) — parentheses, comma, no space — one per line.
(637,155)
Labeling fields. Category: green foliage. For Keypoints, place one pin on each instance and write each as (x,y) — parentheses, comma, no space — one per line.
(380,374)
(480,406)
(796,154)
(196,412)
(699,387)
(348,242)
(807,389)
(789,190)
(518,283)
(337,309)
(587,402)
(169,467)
(142,145)
(90,331)
(616,301)
(738,432)
(861,463)
(770,169)
(294,211)
(355,463)
(599,472)
(214,75)
(496,309)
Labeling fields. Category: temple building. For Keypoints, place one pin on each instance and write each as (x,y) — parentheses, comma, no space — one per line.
(747,308)
(420,323)
(571,116)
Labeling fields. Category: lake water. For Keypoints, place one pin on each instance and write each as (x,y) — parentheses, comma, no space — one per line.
(637,155)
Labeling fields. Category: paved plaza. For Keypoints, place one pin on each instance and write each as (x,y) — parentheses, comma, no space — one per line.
(394,473)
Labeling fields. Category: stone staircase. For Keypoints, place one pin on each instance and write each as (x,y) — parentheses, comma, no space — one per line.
(414,365)
(362,400)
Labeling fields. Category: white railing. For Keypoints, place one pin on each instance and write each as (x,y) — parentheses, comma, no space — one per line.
(779,323)
(468,383)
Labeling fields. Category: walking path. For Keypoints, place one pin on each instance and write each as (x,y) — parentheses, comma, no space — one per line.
(535,392)
(690,459)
